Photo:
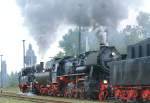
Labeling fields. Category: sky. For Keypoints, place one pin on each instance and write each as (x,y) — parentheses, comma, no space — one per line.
(13,31)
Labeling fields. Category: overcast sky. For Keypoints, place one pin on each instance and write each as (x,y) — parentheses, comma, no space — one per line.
(13,31)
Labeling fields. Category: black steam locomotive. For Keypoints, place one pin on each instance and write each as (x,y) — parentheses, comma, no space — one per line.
(68,76)
(94,74)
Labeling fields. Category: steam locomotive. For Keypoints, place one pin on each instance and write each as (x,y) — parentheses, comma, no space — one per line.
(71,77)
(95,74)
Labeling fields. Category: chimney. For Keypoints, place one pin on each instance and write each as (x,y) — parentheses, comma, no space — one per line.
(42,64)
(103,37)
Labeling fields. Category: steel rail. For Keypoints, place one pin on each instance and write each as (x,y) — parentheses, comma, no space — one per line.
(38,99)
(29,98)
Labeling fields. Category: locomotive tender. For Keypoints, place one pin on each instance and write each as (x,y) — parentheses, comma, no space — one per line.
(130,77)
(95,74)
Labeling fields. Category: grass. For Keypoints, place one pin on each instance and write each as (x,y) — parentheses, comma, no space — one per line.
(11,89)
(11,100)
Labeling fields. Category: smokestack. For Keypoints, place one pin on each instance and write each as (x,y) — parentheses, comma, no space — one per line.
(102,35)
(103,38)
(42,64)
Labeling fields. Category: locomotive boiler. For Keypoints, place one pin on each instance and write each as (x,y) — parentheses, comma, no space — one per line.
(42,78)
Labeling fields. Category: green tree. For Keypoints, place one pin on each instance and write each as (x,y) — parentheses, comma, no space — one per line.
(118,40)
(133,34)
(70,42)
(60,54)
(143,20)
(13,79)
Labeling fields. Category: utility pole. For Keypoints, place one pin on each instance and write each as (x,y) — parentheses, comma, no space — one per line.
(23,53)
(1,72)
(79,49)
(79,40)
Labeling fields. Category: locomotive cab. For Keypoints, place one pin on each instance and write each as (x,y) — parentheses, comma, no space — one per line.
(106,55)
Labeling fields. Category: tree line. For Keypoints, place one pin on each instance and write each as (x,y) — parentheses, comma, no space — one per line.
(120,39)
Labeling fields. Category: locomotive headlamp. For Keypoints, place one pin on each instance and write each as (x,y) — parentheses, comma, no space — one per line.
(113,53)
(105,81)
(61,78)
(48,86)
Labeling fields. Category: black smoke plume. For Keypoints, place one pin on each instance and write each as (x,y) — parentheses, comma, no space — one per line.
(43,17)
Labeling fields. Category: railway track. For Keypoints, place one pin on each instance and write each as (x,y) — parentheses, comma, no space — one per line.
(29,98)
(39,99)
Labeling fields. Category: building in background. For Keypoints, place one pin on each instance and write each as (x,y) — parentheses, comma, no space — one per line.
(30,58)
(4,74)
